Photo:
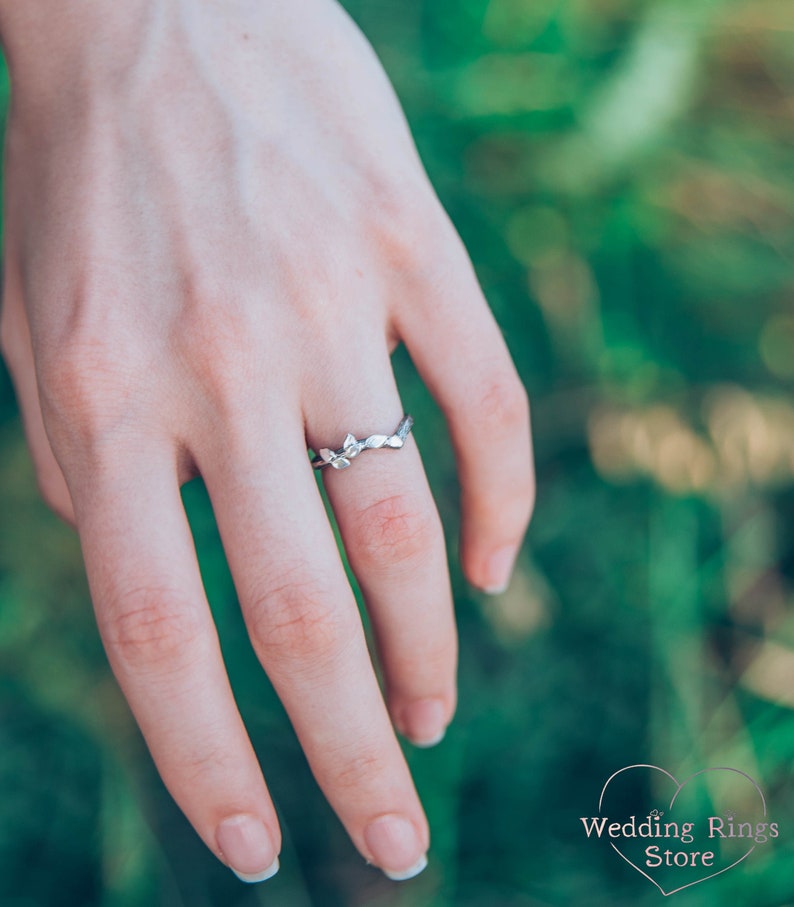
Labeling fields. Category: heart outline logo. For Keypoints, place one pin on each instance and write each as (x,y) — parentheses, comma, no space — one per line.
(680,785)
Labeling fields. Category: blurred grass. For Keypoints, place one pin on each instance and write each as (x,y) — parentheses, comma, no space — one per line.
(621,173)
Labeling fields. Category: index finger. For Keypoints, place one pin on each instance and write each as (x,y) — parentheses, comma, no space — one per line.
(163,647)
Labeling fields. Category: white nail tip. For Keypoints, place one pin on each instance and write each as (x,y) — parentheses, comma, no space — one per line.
(496,590)
(414,870)
(433,741)
(252,877)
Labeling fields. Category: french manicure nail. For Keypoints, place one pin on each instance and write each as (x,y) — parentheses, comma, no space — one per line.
(263,876)
(248,848)
(409,873)
(499,569)
(424,722)
(395,847)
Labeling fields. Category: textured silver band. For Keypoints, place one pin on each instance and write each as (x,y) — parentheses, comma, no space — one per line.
(351,448)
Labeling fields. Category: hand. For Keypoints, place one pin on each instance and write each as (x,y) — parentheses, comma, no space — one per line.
(217,229)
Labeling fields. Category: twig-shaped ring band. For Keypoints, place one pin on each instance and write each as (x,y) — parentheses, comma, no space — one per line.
(351,448)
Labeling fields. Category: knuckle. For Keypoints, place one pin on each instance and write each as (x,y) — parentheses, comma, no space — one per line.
(503,401)
(216,338)
(84,391)
(151,628)
(358,771)
(70,382)
(405,224)
(209,764)
(394,530)
(297,620)
(436,661)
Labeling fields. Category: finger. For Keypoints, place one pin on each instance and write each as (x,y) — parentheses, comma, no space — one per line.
(163,647)
(18,354)
(395,544)
(486,408)
(306,630)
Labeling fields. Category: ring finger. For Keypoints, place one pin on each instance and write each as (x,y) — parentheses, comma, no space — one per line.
(394,541)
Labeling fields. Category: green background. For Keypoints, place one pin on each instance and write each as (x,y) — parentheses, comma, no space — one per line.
(622,174)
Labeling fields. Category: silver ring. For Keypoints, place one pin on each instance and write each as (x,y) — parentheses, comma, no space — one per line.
(351,448)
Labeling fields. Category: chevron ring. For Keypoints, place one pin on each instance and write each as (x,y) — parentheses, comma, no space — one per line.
(351,448)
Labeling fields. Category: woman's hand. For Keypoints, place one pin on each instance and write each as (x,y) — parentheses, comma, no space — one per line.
(217,229)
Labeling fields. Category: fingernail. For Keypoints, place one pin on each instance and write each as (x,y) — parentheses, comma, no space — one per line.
(409,873)
(395,847)
(263,876)
(424,722)
(248,848)
(499,569)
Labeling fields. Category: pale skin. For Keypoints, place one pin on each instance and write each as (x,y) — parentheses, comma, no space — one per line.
(217,229)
